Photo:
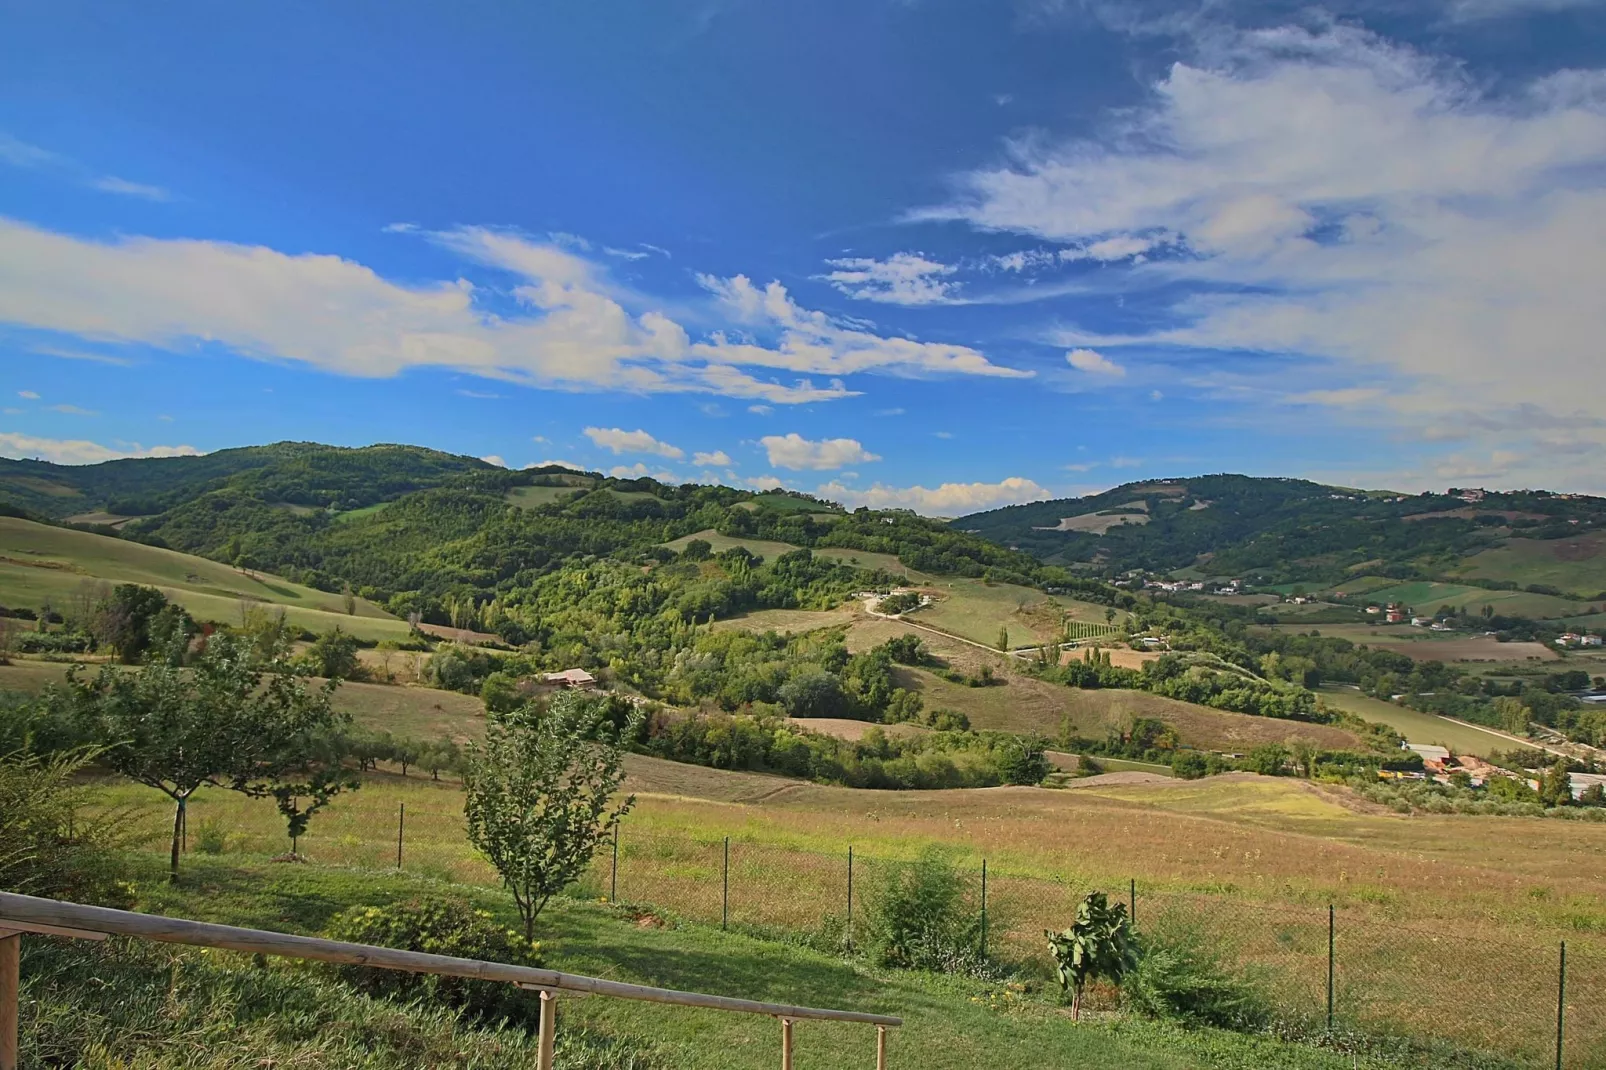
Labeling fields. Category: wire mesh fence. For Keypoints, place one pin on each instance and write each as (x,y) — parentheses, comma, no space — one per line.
(1316,966)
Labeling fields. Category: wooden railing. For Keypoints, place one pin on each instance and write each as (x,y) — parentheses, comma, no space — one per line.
(21,914)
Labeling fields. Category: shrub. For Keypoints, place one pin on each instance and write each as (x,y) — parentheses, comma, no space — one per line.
(439,926)
(921,917)
(1183,980)
(50,845)
(211,838)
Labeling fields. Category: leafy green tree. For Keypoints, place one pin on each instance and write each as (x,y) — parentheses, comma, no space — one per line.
(227,720)
(500,693)
(1268,759)
(1098,944)
(698,550)
(1023,760)
(540,797)
(1556,786)
(814,694)
(1514,715)
(125,620)
(333,655)
(1003,640)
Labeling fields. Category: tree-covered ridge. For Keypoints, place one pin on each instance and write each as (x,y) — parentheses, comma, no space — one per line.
(293,473)
(1282,530)
(457,541)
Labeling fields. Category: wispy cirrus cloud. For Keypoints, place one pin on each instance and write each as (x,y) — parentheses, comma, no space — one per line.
(20,154)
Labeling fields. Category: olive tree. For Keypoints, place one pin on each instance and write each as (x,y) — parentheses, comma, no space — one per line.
(541,795)
(228,719)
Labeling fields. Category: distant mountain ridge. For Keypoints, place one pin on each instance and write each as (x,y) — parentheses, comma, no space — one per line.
(294,473)
(1295,530)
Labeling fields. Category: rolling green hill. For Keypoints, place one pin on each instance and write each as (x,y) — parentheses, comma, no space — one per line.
(1281,531)
(41,563)
(296,473)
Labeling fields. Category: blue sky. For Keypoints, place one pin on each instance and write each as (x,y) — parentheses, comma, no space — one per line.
(942,255)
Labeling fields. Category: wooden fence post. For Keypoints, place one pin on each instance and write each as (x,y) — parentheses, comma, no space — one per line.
(10,997)
(880,1047)
(549,1028)
(786,1044)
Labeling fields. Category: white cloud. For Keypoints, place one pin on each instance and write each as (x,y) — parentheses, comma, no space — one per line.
(1332,195)
(494,458)
(1474,10)
(482,395)
(79,354)
(113,184)
(1125,462)
(813,342)
(764,482)
(73,410)
(570,328)
(621,441)
(949,499)
(574,466)
(718,458)
(796,452)
(1342,398)
(80,451)
(1094,363)
(641,471)
(900,279)
(32,157)
(31,395)
(760,410)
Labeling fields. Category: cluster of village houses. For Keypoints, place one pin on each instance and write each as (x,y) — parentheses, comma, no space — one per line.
(1438,765)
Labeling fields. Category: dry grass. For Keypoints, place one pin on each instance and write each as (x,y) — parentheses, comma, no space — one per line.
(793,621)
(1251,863)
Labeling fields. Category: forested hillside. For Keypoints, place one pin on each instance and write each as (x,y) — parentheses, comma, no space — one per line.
(1291,530)
(303,474)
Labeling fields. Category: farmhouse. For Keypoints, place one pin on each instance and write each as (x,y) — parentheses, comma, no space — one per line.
(1421,622)
(578,679)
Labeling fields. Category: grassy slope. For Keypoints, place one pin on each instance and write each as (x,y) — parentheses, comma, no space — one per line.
(1025,704)
(1426,597)
(1253,860)
(769,550)
(420,712)
(949,1023)
(977,610)
(1568,564)
(38,562)
(1417,727)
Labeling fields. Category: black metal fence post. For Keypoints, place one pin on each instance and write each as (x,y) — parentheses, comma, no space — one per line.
(1132,902)
(401,829)
(725,888)
(1332,928)
(850,898)
(613,869)
(984,908)
(1561,1003)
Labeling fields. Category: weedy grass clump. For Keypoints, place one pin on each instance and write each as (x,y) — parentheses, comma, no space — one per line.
(129,1004)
